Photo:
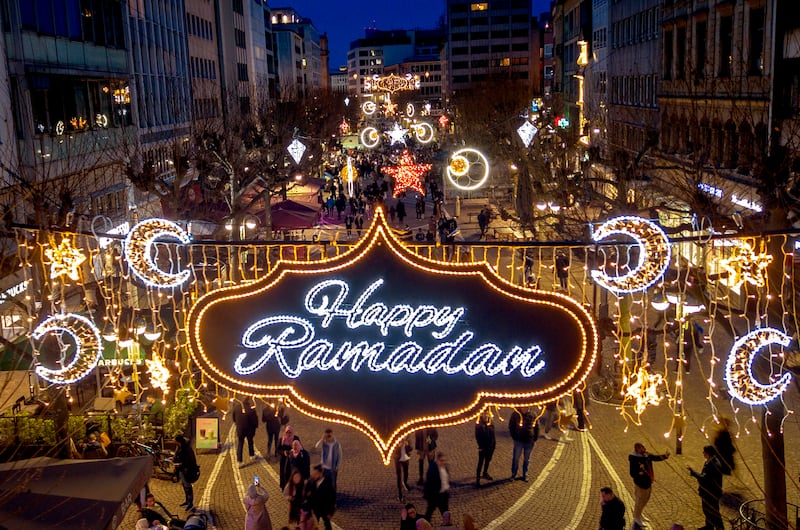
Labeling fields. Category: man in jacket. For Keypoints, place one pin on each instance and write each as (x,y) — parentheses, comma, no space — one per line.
(710,488)
(613,511)
(331,455)
(321,495)
(524,431)
(641,469)
(246,420)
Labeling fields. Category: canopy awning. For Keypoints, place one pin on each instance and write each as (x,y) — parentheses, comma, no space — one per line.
(45,493)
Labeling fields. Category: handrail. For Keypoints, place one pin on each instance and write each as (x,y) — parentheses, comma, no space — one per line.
(753,516)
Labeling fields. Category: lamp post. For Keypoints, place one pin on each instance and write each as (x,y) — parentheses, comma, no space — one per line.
(684,307)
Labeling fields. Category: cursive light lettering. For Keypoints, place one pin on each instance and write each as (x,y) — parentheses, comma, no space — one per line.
(292,344)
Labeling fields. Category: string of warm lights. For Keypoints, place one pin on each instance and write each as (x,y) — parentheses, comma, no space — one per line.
(407,174)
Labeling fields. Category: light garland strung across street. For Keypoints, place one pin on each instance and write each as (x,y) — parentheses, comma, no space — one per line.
(65,259)
(86,341)
(391,83)
(407,174)
(296,150)
(654,254)
(739,369)
(138,252)
(370,137)
(468,169)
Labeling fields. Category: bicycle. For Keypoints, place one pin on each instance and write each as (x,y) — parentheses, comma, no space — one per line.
(606,387)
(163,460)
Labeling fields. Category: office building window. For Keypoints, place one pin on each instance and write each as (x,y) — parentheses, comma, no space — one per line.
(680,55)
(668,55)
(755,57)
(700,47)
(725,45)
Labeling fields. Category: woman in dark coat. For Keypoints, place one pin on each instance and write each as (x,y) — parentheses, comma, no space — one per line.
(284,449)
(187,469)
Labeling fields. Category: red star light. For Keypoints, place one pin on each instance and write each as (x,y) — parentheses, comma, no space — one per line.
(407,174)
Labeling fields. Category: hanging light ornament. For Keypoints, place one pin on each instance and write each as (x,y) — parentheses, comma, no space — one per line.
(407,174)
(65,260)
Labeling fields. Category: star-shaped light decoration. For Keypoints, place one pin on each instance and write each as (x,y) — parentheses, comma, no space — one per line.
(65,260)
(527,131)
(159,373)
(644,390)
(745,265)
(344,127)
(397,134)
(389,108)
(443,121)
(407,174)
(296,150)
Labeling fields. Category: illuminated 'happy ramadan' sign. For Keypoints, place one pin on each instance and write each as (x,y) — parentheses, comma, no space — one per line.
(389,342)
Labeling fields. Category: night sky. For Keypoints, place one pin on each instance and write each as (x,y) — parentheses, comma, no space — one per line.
(345,22)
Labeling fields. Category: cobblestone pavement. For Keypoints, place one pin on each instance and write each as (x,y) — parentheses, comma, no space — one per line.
(562,493)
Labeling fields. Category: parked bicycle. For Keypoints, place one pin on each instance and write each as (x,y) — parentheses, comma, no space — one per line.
(163,460)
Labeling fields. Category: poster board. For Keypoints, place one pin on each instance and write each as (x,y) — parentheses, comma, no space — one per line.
(207,432)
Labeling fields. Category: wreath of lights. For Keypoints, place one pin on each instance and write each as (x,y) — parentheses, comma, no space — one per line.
(424,132)
(369,108)
(468,169)
(380,233)
(296,150)
(138,248)
(407,174)
(370,137)
(739,367)
(654,254)
(65,260)
(87,342)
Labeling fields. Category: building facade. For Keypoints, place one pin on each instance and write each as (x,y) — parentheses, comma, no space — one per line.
(298,52)
(488,39)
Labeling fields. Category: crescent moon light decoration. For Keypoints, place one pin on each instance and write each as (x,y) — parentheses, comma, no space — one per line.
(370,137)
(468,169)
(654,254)
(423,132)
(139,244)
(739,368)
(369,108)
(88,348)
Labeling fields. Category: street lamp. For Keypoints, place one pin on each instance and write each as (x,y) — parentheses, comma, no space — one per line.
(684,307)
(247,222)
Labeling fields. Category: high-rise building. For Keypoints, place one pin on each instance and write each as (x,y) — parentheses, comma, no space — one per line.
(298,52)
(204,69)
(487,39)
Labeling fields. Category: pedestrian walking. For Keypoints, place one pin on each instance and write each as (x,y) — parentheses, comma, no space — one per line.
(294,492)
(285,449)
(255,502)
(723,443)
(709,480)
(321,495)
(187,469)
(437,487)
(579,402)
(271,416)
(612,515)
(524,432)
(401,211)
(331,455)
(641,470)
(246,421)
(550,418)
(348,224)
(425,443)
(483,222)
(402,455)
(484,435)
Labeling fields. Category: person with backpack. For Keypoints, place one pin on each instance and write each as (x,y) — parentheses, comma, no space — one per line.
(524,431)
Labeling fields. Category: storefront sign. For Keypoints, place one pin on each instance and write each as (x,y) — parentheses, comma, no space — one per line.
(207,432)
(389,342)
